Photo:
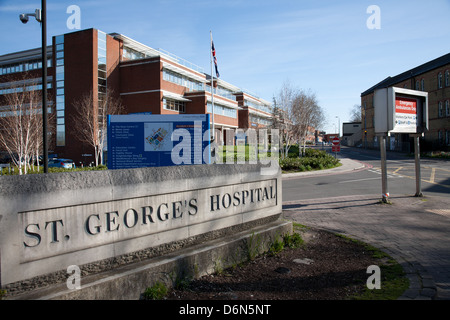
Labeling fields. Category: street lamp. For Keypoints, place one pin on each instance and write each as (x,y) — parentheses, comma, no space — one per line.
(339,127)
(41,16)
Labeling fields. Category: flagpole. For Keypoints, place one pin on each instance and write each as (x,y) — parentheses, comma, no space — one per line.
(212,87)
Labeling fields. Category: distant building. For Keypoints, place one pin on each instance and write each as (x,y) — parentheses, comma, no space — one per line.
(145,79)
(351,134)
(432,77)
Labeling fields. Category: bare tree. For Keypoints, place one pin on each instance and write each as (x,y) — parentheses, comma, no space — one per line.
(295,112)
(309,115)
(284,117)
(91,117)
(355,113)
(21,123)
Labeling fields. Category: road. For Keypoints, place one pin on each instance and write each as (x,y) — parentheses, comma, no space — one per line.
(401,178)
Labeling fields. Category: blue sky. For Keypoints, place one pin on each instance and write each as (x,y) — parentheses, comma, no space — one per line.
(322,45)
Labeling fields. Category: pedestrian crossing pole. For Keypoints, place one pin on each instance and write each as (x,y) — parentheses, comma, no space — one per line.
(417,163)
(384,184)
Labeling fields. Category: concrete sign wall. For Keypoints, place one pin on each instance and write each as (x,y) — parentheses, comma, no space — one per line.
(49,222)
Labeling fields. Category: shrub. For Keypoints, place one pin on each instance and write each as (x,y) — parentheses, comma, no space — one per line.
(313,160)
(156,292)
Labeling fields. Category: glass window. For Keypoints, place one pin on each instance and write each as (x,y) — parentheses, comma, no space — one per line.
(440,80)
(59,39)
(60,135)
(174,105)
(447,108)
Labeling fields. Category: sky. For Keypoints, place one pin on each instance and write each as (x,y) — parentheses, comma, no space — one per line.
(335,49)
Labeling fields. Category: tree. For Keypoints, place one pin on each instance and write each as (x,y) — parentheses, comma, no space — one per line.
(283,115)
(295,112)
(309,115)
(21,123)
(355,113)
(92,118)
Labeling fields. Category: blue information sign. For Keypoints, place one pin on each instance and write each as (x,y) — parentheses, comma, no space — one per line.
(139,140)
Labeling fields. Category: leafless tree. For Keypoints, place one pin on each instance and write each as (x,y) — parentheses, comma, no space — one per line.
(295,112)
(284,117)
(91,117)
(355,113)
(309,115)
(21,123)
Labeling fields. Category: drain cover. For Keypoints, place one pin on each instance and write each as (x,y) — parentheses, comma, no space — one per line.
(282,270)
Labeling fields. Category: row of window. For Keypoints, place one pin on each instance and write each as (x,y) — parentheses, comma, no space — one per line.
(222,110)
(174,105)
(101,69)
(257,106)
(444,109)
(60,95)
(441,79)
(260,120)
(444,137)
(27,88)
(180,106)
(23,66)
(182,80)
(194,85)
(220,91)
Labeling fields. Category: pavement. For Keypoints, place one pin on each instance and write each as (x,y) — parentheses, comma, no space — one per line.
(415,231)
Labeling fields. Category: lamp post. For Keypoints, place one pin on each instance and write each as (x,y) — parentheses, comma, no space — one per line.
(339,127)
(41,16)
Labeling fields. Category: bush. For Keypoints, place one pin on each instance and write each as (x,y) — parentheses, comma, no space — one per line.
(156,292)
(313,160)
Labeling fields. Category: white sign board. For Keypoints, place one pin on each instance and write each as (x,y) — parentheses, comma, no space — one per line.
(399,110)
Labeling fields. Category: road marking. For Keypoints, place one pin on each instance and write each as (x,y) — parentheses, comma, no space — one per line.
(359,180)
(397,170)
(433,173)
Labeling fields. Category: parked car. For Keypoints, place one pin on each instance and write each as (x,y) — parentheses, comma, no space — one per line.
(61,163)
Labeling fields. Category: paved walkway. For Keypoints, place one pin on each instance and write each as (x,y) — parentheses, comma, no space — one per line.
(414,231)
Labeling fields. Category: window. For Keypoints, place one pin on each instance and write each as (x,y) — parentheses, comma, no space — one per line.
(422,84)
(417,85)
(60,97)
(447,78)
(447,108)
(440,110)
(440,80)
(174,105)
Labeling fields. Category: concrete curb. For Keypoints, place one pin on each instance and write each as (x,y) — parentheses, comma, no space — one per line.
(348,165)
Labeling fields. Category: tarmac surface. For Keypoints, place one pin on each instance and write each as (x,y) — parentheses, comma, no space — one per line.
(415,231)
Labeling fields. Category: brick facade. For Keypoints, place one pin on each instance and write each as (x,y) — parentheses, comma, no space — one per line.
(145,80)
(432,77)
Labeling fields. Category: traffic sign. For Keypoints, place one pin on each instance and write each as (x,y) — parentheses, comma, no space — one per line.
(336,147)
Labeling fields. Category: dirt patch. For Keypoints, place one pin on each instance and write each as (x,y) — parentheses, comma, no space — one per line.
(325,267)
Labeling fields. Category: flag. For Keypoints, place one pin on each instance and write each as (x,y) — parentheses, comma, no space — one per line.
(215,58)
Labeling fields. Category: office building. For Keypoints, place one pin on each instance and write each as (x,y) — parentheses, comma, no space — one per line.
(144,79)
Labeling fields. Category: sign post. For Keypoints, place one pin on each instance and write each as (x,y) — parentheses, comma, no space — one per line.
(405,111)
(336,146)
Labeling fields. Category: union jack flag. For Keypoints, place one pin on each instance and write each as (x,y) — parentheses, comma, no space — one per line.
(215,58)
